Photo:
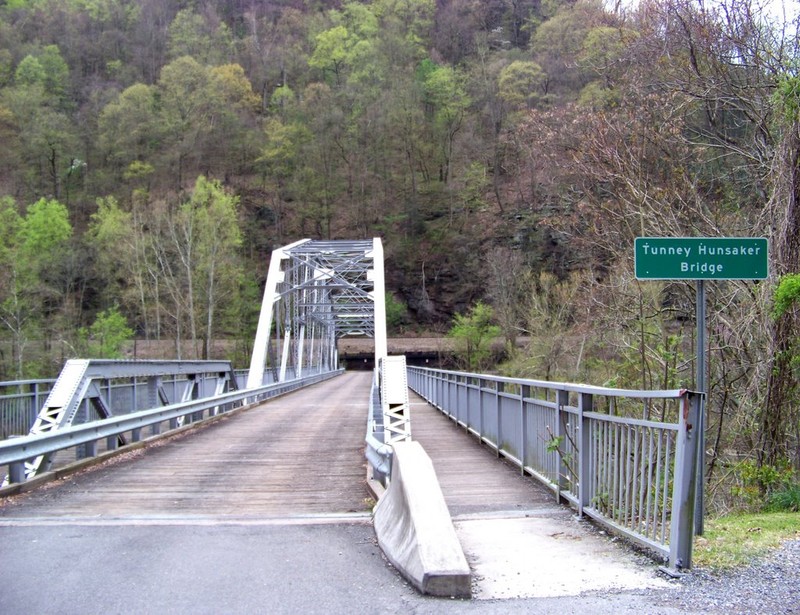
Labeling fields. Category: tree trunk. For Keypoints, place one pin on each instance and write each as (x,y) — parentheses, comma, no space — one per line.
(781,396)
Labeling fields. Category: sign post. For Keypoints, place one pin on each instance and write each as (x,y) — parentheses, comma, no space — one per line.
(701,258)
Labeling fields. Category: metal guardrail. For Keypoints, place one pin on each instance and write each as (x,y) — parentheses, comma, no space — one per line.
(626,459)
(378,453)
(16,451)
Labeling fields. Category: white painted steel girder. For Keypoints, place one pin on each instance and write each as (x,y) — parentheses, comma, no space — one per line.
(394,400)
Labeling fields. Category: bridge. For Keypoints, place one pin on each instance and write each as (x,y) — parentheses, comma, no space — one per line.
(304,477)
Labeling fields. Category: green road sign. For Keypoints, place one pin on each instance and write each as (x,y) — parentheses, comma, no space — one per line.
(700,258)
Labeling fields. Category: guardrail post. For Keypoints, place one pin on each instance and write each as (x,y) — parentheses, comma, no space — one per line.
(88,449)
(584,453)
(683,494)
(16,472)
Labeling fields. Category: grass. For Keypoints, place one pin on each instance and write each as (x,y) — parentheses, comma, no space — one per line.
(736,540)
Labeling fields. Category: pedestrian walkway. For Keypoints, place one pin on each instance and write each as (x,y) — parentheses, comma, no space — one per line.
(518,541)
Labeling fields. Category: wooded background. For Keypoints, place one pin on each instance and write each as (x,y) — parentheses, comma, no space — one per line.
(508,152)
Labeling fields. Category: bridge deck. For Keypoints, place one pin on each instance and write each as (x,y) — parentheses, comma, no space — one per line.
(301,454)
(472,480)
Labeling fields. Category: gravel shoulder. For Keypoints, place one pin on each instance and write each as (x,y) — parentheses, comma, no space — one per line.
(769,586)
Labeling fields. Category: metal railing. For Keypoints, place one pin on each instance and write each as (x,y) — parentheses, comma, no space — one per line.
(625,458)
(21,400)
(89,437)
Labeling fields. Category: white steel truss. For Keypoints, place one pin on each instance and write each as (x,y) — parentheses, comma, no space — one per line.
(317,292)
(91,380)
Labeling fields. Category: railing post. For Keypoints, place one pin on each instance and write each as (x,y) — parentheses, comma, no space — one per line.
(585,452)
(480,409)
(562,399)
(683,493)
(34,411)
(524,392)
(498,388)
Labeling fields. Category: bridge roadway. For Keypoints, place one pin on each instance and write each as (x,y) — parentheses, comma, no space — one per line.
(267,511)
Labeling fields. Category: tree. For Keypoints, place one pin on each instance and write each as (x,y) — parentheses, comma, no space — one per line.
(205,38)
(105,338)
(507,277)
(205,237)
(34,287)
(129,128)
(521,84)
(557,44)
(779,418)
(46,137)
(445,96)
(14,306)
(473,334)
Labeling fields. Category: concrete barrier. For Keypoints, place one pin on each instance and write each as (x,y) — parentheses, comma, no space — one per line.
(415,530)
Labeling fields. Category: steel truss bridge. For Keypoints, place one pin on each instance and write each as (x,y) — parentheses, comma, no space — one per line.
(600,450)
(316,293)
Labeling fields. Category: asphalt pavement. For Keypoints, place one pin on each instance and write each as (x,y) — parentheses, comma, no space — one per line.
(313,565)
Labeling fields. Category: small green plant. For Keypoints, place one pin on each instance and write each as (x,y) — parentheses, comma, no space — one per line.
(554,445)
(756,484)
(785,500)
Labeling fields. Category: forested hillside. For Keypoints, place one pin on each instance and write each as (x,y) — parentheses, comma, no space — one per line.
(508,152)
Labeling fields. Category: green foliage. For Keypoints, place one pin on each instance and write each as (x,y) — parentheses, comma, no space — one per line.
(29,72)
(44,233)
(736,540)
(206,237)
(473,334)
(787,98)
(46,69)
(33,283)
(107,335)
(396,313)
(191,34)
(757,484)
(597,95)
(786,294)
(553,445)
(521,83)
(331,49)
(10,222)
(786,499)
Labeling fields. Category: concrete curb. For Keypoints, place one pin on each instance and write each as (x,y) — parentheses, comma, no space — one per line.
(415,530)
